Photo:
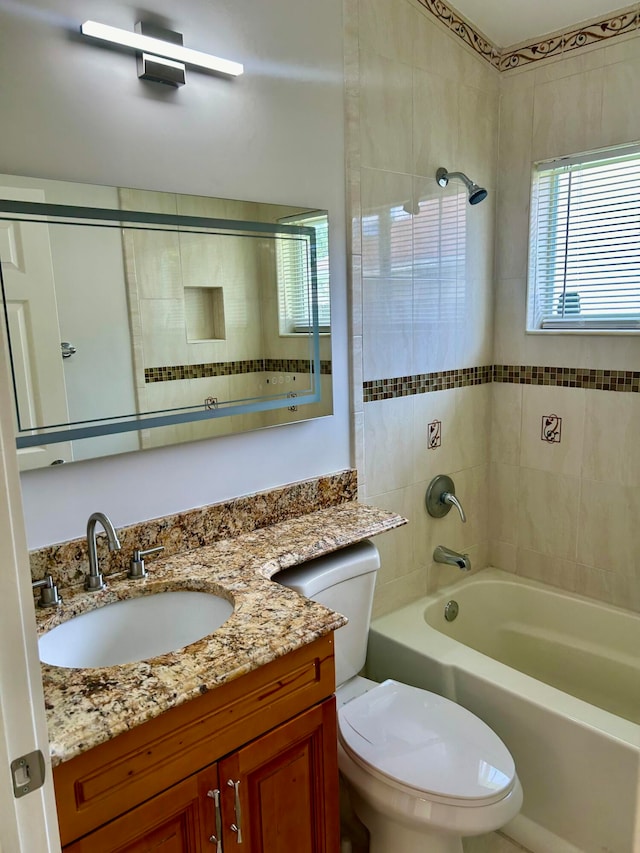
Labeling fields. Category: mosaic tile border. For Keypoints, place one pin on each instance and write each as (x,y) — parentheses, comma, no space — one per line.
(176,372)
(623,21)
(627,381)
(569,377)
(424,383)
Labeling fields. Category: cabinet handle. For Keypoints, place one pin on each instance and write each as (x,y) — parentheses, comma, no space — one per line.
(237,826)
(217,838)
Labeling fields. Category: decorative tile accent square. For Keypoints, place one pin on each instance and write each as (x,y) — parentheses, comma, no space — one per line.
(434,433)
(551,429)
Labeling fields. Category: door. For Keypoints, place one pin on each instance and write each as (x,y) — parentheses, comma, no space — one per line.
(180,820)
(27,824)
(280,792)
(29,285)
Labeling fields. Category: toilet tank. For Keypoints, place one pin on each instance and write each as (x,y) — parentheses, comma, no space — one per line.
(343,581)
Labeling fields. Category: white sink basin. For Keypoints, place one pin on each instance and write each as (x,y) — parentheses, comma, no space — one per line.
(134,629)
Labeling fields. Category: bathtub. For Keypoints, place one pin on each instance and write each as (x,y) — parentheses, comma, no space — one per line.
(557,676)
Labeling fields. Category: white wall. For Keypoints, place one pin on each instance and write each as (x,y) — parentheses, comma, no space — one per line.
(74,111)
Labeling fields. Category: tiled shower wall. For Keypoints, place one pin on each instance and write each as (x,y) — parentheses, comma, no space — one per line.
(566,512)
(562,511)
(417,99)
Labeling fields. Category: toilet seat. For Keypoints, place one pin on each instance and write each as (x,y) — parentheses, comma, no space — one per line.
(426,745)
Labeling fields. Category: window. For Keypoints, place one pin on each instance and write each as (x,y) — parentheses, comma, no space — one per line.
(294,277)
(584,249)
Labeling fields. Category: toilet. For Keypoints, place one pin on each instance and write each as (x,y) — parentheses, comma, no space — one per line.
(422,771)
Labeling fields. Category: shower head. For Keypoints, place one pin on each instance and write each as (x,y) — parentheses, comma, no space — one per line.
(476,193)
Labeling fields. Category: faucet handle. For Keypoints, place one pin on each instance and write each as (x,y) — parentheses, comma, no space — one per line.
(48,592)
(441,496)
(452,500)
(136,566)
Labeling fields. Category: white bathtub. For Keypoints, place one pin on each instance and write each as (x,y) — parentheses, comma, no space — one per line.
(557,676)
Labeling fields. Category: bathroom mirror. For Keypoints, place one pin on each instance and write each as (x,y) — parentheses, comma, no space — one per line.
(137,319)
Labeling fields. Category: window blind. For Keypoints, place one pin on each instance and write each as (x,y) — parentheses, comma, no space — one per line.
(294,277)
(584,267)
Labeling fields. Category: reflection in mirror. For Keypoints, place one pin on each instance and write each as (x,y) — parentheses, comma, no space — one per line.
(138,319)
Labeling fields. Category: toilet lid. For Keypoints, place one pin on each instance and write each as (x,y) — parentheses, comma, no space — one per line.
(426,742)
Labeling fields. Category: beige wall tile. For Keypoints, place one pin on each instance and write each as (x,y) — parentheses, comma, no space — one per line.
(503,555)
(567,115)
(547,569)
(509,342)
(386,27)
(478,135)
(608,527)
(621,49)
(504,484)
(387,327)
(387,245)
(548,513)
(435,331)
(396,549)
(385,105)
(164,337)
(619,123)
(435,140)
(472,489)
(434,49)
(388,445)
(472,425)
(506,421)
(611,446)
(514,177)
(396,593)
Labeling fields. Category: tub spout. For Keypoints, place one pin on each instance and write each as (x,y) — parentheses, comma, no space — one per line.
(452,558)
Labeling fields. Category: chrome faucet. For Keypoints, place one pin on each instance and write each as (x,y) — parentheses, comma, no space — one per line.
(450,499)
(441,496)
(94,580)
(452,558)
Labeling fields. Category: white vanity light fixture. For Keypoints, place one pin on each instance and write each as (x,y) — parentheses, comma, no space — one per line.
(162,56)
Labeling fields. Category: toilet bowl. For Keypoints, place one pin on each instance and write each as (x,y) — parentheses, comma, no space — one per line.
(422,771)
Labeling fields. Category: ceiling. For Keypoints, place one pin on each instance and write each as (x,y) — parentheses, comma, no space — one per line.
(509,22)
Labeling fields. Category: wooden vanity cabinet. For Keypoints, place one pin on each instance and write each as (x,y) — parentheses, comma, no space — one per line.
(277,785)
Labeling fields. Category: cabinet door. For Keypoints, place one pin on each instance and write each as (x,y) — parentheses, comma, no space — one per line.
(179,820)
(280,792)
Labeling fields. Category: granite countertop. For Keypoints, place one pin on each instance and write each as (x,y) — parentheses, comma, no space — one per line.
(86,707)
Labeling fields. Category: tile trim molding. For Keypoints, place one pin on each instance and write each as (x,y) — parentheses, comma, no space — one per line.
(624,21)
(524,374)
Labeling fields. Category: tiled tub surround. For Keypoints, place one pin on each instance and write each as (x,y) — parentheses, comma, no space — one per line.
(560,505)
(88,707)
